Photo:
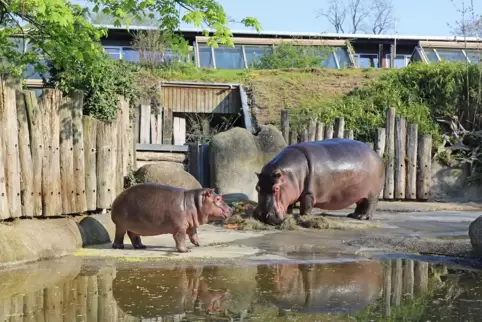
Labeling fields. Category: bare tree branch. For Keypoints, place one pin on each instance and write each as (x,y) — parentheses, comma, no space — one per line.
(358,13)
(335,14)
(382,18)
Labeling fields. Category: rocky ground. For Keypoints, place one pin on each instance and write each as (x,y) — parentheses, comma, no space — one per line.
(398,227)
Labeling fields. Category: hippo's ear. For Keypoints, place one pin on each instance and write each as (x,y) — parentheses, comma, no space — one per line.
(257,174)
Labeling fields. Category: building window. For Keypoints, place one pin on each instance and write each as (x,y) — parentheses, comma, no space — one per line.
(367,60)
(254,53)
(343,57)
(451,54)
(30,72)
(229,58)
(114,52)
(400,61)
(474,56)
(205,57)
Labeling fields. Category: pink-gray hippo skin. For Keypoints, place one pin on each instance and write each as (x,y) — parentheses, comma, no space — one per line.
(150,209)
(330,174)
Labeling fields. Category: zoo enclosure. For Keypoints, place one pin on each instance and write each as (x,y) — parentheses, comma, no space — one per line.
(407,155)
(55,161)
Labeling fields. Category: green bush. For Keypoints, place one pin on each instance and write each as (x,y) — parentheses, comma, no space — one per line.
(101,83)
(287,55)
(420,92)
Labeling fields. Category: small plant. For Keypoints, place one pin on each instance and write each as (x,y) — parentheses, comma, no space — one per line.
(130,179)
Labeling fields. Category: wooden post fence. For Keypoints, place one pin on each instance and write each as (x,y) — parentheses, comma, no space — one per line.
(407,155)
(55,161)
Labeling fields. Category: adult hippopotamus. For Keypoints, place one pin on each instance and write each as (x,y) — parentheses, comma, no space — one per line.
(330,174)
(150,209)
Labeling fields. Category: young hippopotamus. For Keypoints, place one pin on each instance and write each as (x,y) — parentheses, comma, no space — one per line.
(330,174)
(150,209)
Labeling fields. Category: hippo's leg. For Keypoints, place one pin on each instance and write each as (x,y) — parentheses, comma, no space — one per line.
(365,208)
(135,240)
(180,239)
(290,209)
(119,237)
(306,204)
(193,237)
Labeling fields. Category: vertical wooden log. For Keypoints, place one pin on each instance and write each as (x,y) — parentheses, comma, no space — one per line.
(121,156)
(79,153)
(348,134)
(159,125)
(421,278)
(400,154)
(104,282)
(390,150)
(136,125)
(35,120)
(104,165)
(408,278)
(126,133)
(90,161)
(397,282)
(16,308)
(82,294)
(380,149)
(285,125)
(67,157)
(167,126)
(312,130)
(145,124)
(33,307)
(9,129)
(53,303)
(92,299)
(26,166)
(4,210)
(412,147)
(51,180)
(320,131)
(293,137)
(117,178)
(69,301)
(424,179)
(154,135)
(304,135)
(387,288)
(339,127)
(5,307)
(328,132)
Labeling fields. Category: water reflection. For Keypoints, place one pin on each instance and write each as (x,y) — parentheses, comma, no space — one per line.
(70,290)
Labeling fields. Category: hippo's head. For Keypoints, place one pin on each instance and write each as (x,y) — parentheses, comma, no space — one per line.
(271,197)
(213,207)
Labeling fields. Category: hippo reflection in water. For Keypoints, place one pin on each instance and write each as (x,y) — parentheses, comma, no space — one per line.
(335,288)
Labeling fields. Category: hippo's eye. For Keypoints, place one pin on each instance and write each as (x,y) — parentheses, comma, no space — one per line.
(275,188)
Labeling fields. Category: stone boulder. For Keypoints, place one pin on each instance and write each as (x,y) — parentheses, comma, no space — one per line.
(168,173)
(475,234)
(236,155)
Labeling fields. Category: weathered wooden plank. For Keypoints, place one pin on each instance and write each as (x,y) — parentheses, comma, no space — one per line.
(122,124)
(51,182)
(154,129)
(162,156)
(339,127)
(90,161)
(167,120)
(16,308)
(387,288)
(53,303)
(105,308)
(69,301)
(400,161)
(293,137)
(179,130)
(312,130)
(79,153)
(67,157)
(9,126)
(127,148)
(390,151)
(116,159)
(145,124)
(161,148)
(420,278)
(136,127)
(33,307)
(81,285)
(320,131)
(408,278)
(104,163)
(348,134)
(424,179)
(285,125)
(380,149)
(92,299)
(24,150)
(397,282)
(159,125)
(412,150)
(35,119)
(4,210)
(328,132)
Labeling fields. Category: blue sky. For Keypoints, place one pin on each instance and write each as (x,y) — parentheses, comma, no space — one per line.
(415,17)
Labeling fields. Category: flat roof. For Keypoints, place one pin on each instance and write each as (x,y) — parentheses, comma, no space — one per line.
(310,34)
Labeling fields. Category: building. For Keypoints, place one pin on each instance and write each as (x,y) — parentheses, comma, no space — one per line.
(364,51)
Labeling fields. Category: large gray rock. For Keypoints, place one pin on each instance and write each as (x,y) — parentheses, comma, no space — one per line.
(168,173)
(236,155)
(475,234)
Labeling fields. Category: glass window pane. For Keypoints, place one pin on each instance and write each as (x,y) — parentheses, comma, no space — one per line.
(367,60)
(343,58)
(400,61)
(205,56)
(474,56)
(30,73)
(254,53)
(432,57)
(229,58)
(130,55)
(329,61)
(451,54)
(113,52)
